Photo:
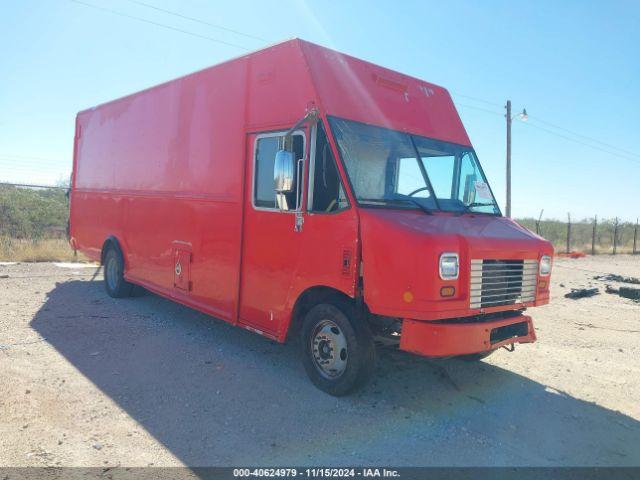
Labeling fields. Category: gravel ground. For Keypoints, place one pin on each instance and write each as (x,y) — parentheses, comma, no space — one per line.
(86,380)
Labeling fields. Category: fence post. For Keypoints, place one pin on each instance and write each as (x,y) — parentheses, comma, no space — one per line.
(569,233)
(615,236)
(635,237)
(593,236)
(538,222)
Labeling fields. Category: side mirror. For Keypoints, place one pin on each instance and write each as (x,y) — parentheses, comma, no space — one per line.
(283,171)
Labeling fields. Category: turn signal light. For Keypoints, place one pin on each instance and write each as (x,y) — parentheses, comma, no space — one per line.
(542,284)
(447,291)
(407,296)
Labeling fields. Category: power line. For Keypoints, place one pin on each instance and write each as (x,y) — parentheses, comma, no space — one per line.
(630,159)
(558,127)
(23,157)
(584,136)
(487,102)
(25,176)
(480,109)
(551,132)
(11,162)
(158,24)
(220,27)
(21,161)
(34,168)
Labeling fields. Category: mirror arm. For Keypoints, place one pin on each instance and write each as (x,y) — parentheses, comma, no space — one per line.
(311,116)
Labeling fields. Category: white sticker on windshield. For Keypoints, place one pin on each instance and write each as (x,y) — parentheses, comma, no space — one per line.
(482,190)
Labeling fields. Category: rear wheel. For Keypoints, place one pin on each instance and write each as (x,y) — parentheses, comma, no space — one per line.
(337,348)
(114,282)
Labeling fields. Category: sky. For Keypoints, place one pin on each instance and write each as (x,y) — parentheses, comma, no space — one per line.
(573,64)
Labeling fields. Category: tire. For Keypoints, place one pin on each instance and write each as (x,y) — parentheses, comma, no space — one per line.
(114,282)
(475,357)
(338,352)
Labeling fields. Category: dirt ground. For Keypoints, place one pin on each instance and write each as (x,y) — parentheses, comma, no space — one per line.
(86,380)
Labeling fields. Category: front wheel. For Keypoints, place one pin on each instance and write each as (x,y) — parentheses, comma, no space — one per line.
(337,348)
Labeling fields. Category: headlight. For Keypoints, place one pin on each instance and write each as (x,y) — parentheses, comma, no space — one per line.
(545,265)
(449,266)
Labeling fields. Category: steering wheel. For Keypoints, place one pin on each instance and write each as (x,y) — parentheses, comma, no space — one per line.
(421,189)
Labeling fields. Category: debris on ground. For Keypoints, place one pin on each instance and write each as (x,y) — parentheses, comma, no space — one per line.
(612,277)
(577,293)
(629,292)
(610,289)
(626,292)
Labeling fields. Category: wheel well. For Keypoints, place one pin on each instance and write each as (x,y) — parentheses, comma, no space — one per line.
(111,242)
(307,300)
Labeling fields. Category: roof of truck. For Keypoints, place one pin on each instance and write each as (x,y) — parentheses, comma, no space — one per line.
(358,90)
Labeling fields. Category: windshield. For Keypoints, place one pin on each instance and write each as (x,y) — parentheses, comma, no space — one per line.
(387,168)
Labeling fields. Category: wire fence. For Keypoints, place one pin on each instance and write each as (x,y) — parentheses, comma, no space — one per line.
(593,236)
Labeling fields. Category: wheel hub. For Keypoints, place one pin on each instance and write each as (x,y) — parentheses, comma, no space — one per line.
(329,349)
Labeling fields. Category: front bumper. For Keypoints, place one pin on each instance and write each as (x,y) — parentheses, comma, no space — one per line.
(445,339)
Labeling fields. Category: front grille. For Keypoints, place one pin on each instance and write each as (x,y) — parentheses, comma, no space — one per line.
(502,282)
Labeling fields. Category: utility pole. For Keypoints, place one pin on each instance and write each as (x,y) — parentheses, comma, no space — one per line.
(508,206)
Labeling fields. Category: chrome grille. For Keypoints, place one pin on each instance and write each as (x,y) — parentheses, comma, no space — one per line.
(502,282)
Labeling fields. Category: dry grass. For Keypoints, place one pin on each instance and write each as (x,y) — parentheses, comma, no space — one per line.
(43,250)
(600,249)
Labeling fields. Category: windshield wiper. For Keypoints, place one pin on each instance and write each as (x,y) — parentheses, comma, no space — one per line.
(391,201)
(419,205)
(467,208)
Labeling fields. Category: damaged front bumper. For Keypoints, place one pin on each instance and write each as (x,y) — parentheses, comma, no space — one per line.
(461,336)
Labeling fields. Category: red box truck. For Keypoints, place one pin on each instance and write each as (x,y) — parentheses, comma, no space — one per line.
(302,193)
